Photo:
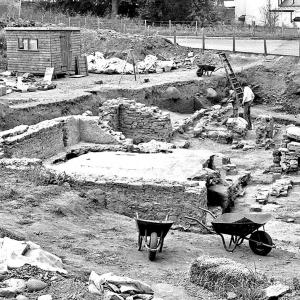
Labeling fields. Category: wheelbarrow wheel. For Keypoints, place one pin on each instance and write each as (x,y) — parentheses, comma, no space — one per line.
(260,237)
(153,245)
(199,72)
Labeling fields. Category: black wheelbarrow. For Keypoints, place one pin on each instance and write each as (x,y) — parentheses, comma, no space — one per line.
(152,233)
(241,227)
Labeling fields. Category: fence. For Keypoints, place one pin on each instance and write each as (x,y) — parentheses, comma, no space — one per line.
(137,26)
(239,44)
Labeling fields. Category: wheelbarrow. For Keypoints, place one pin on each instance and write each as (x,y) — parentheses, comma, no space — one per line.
(241,227)
(152,234)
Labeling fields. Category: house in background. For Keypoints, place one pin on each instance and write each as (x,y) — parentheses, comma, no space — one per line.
(251,11)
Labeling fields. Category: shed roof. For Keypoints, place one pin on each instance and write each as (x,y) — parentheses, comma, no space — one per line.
(49,28)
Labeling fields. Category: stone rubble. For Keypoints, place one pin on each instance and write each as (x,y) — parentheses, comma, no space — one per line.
(281,187)
(155,147)
(238,126)
(264,129)
(275,291)
(287,157)
(211,124)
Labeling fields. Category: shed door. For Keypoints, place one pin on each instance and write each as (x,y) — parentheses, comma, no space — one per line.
(66,52)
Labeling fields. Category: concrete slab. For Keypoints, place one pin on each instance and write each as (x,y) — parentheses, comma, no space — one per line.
(176,166)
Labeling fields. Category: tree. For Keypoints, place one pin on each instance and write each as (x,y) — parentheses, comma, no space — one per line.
(205,12)
(270,15)
(114,8)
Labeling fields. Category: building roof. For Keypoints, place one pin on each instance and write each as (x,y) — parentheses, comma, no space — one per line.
(49,28)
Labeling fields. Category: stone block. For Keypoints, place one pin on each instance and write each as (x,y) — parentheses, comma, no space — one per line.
(294,146)
(293,132)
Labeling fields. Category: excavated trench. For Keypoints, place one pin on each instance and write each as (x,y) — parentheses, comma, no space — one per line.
(29,111)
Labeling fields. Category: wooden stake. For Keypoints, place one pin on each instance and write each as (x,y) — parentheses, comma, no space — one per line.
(233,42)
(133,64)
(203,40)
(265,47)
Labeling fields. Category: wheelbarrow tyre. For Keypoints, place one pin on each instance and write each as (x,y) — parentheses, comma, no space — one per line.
(263,237)
(199,72)
(153,245)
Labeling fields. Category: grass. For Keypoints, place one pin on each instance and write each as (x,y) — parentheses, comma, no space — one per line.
(245,288)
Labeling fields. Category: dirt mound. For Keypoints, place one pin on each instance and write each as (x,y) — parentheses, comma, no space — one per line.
(276,82)
(115,44)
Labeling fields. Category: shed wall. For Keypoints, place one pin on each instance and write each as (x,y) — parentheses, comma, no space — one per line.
(48,54)
(56,50)
(28,61)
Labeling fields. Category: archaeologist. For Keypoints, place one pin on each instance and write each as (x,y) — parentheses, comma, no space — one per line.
(248,98)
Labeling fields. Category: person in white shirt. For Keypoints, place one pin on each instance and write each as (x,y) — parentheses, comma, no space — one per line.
(248,98)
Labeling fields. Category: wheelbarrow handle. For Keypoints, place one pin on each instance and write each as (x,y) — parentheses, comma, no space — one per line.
(209,212)
(198,221)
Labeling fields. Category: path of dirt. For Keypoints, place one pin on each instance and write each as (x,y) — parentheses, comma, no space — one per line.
(89,237)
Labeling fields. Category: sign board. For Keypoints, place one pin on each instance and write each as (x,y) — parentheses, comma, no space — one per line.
(48,75)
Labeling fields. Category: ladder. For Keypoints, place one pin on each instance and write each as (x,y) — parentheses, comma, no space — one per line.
(236,86)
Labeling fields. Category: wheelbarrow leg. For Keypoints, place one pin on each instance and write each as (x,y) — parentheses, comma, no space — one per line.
(233,240)
(161,243)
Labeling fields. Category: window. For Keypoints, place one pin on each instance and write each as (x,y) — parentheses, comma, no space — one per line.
(28,44)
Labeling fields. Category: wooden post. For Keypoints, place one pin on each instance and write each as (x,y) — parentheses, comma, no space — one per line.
(175,42)
(69,19)
(170,27)
(299,40)
(145,25)
(133,64)
(203,40)
(196,27)
(233,42)
(148,32)
(85,22)
(265,47)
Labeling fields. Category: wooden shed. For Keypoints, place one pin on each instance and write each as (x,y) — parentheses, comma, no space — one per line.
(33,49)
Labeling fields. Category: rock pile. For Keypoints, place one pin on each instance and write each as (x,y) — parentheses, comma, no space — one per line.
(238,126)
(97,63)
(136,121)
(281,187)
(211,124)
(264,129)
(287,157)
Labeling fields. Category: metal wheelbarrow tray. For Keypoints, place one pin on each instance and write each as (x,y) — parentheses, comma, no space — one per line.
(239,227)
(152,233)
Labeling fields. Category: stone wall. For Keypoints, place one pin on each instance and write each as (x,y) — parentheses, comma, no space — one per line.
(152,200)
(287,157)
(51,137)
(39,141)
(136,120)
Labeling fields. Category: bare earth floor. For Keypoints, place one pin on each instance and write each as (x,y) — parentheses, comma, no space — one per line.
(176,166)
(89,238)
